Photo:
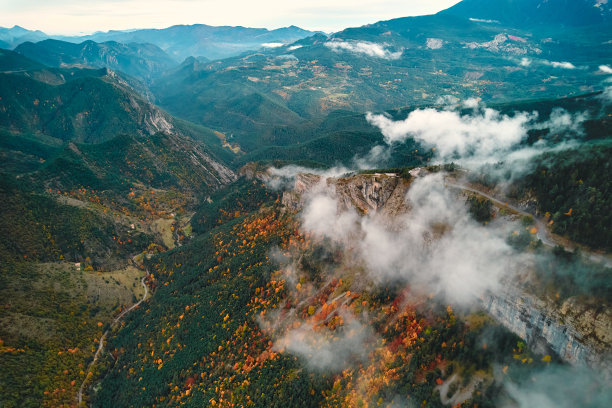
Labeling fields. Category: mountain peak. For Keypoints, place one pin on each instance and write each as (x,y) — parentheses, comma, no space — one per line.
(524,13)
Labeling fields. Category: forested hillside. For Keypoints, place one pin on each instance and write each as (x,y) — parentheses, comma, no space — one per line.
(93,180)
(211,346)
(414,212)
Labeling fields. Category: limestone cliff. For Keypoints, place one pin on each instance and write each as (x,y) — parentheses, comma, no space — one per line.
(577,338)
(367,193)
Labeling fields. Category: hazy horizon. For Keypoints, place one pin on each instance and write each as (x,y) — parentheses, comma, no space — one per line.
(71,17)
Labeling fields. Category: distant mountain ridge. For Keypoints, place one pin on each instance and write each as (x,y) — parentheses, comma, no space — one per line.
(525,13)
(200,40)
(179,41)
(97,110)
(408,61)
(142,61)
(261,98)
(11,37)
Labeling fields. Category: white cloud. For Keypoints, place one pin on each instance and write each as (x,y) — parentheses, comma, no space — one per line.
(322,218)
(475,137)
(471,103)
(607,95)
(377,155)
(447,100)
(561,121)
(525,62)
(561,387)
(605,69)
(272,45)
(480,20)
(436,247)
(294,47)
(434,43)
(323,349)
(485,136)
(564,64)
(284,176)
(364,47)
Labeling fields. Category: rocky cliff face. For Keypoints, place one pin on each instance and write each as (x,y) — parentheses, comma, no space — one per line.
(366,193)
(546,329)
(202,164)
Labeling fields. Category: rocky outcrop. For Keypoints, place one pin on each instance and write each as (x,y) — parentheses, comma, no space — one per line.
(203,164)
(370,192)
(592,320)
(155,121)
(367,193)
(546,329)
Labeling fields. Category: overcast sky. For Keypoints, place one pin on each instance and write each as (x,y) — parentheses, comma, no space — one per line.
(83,16)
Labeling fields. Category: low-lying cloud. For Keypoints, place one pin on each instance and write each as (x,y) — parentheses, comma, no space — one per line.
(560,64)
(272,45)
(561,387)
(323,349)
(281,177)
(606,96)
(479,137)
(605,69)
(377,155)
(483,136)
(370,49)
(434,43)
(436,246)
(481,20)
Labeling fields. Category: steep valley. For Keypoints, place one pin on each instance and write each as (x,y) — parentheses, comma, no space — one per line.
(410,213)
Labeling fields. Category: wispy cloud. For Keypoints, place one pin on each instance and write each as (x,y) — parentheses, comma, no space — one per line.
(436,247)
(278,178)
(434,43)
(323,349)
(480,20)
(562,64)
(455,136)
(606,96)
(484,136)
(370,49)
(272,45)
(605,69)
(561,387)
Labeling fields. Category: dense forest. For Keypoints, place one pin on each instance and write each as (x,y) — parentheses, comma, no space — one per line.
(573,190)
(150,257)
(210,345)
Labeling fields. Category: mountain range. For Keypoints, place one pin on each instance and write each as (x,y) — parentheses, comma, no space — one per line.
(12,37)
(179,42)
(414,212)
(401,62)
(142,61)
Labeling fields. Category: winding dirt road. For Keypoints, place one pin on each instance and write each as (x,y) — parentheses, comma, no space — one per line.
(543,233)
(101,344)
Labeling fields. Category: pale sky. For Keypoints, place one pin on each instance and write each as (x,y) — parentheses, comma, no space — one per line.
(85,16)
